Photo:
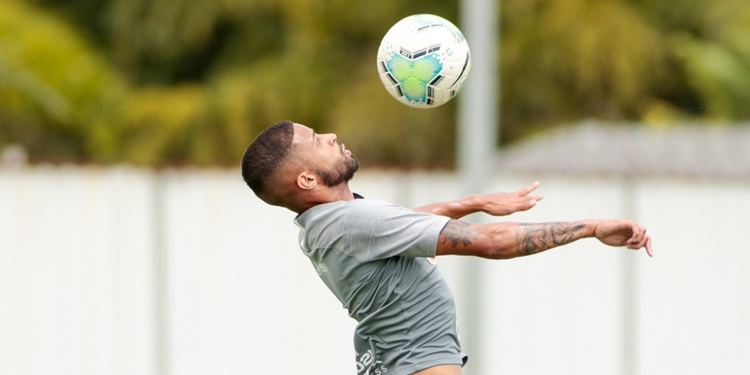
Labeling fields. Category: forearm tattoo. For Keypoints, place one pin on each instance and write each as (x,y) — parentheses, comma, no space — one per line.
(458,233)
(534,238)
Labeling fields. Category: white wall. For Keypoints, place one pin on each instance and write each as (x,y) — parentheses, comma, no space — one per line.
(76,286)
(125,271)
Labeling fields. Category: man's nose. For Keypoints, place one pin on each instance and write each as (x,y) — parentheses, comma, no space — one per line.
(331,138)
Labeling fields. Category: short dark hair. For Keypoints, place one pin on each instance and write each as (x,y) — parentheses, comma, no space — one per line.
(265,155)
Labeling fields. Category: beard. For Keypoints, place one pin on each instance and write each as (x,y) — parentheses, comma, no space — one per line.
(340,173)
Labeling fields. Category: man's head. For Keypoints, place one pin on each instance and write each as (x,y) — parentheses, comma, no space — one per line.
(290,165)
(265,156)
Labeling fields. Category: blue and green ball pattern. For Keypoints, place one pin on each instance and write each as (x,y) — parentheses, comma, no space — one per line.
(413,76)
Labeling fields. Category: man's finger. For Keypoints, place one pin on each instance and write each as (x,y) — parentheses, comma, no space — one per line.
(649,250)
(529,189)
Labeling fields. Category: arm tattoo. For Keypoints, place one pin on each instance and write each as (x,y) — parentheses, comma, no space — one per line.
(534,238)
(458,233)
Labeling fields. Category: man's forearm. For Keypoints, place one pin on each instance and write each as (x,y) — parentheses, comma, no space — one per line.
(509,240)
(495,204)
(454,209)
(535,238)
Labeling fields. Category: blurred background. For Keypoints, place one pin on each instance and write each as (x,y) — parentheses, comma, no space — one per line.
(175,82)
(130,245)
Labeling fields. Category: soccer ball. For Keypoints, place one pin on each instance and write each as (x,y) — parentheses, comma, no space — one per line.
(423,61)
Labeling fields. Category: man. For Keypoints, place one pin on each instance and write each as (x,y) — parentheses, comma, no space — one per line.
(376,257)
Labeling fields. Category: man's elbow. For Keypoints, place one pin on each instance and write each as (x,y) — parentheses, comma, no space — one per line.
(499,251)
(497,241)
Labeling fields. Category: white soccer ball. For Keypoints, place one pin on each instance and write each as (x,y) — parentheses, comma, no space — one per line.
(423,61)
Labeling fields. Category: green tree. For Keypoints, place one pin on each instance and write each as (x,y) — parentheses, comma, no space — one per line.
(567,60)
(616,60)
(57,94)
(192,81)
(714,52)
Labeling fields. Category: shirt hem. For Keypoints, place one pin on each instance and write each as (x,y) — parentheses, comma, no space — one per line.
(424,365)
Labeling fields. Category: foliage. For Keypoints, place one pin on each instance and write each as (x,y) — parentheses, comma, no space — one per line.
(563,59)
(193,81)
(56,92)
(716,60)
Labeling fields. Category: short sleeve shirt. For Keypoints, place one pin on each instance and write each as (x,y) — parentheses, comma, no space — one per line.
(376,258)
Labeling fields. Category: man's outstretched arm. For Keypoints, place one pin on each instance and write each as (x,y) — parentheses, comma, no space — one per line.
(510,240)
(495,204)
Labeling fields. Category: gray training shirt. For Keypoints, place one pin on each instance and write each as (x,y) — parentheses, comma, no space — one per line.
(375,257)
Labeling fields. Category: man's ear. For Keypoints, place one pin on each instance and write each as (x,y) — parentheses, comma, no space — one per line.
(307,180)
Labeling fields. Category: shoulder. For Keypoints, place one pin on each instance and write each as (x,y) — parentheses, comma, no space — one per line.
(347,210)
(360,211)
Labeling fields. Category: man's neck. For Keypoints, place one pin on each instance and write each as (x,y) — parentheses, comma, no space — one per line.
(341,193)
(327,195)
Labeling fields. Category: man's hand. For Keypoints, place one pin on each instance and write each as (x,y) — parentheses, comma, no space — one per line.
(501,204)
(623,233)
